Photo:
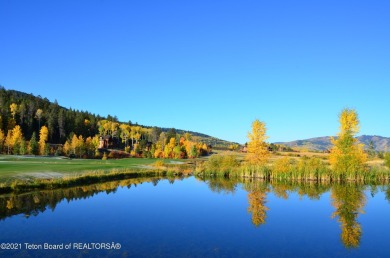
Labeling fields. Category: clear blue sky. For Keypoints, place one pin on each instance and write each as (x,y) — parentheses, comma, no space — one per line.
(206,66)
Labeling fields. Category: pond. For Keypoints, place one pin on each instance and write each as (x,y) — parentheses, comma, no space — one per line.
(191,217)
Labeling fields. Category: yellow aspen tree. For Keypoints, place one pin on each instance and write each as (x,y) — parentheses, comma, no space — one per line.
(43,136)
(2,138)
(16,139)
(67,148)
(258,153)
(172,143)
(347,156)
(74,143)
(14,109)
(96,142)
(80,146)
(8,141)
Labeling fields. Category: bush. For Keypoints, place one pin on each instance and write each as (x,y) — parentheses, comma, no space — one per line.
(387,159)
(221,164)
(159,163)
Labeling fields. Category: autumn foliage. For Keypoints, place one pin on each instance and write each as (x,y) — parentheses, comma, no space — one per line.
(347,156)
(258,153)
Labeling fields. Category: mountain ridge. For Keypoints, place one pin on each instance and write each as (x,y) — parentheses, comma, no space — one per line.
(323,143)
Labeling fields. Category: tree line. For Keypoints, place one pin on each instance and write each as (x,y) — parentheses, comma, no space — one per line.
(34,125)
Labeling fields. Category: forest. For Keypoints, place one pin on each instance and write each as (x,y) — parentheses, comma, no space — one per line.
(34,125)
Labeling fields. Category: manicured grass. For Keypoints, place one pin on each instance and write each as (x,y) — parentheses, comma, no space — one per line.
(28,173)
(17,165)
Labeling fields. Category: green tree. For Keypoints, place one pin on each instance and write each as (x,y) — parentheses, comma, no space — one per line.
(23,147)
(33,147)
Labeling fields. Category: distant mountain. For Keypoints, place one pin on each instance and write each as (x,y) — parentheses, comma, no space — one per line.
(380,143)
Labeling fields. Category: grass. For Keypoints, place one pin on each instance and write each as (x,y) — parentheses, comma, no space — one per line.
(13,165)
(22,173)
(296,166)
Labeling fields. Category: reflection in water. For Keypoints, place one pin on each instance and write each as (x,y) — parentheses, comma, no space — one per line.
(221,185)
(348,201)
(37,202)
(257,200)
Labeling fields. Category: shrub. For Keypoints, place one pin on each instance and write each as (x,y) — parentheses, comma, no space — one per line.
(159,163)
(387,159)
(221,164)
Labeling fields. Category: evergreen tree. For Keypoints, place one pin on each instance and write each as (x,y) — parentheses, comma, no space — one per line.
(33,145)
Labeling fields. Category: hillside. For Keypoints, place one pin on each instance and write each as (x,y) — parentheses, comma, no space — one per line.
(380,143)
(63,122)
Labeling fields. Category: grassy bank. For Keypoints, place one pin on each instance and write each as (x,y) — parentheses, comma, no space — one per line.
(19,174)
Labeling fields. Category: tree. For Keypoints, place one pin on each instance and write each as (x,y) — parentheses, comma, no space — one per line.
(33,145)
(74,143)
(43,135)
(14,108)
(371,149)
(347,156)
(8,141)
(258,153)
(23,147)
(2,138)
(154,134)
(125,133)
(38,115)
(16,139)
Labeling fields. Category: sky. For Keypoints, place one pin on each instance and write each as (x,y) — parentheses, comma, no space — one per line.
(206,66)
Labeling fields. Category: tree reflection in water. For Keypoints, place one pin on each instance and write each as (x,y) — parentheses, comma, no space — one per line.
(348,200)
(37,202)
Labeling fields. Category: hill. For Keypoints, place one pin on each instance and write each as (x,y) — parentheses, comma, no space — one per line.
(379,143)
(63,122)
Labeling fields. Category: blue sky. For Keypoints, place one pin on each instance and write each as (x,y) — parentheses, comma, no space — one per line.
(206,66)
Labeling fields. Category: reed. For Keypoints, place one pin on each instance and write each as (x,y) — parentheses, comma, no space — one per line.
(306,169)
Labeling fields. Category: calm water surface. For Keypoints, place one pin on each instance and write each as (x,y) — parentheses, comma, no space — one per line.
(194,218)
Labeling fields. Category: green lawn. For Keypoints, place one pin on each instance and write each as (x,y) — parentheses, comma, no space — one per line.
(16,165)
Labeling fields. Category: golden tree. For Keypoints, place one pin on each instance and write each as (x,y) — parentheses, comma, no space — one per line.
(16,138)
(43,136)
(347,156)
(2,138)
(258,153)
(14,108)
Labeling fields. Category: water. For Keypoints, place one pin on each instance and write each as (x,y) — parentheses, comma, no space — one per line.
(194,218)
